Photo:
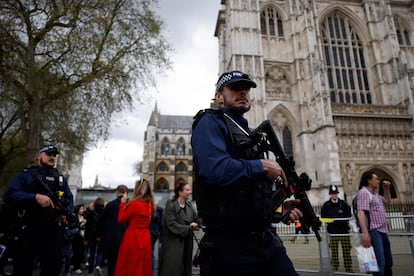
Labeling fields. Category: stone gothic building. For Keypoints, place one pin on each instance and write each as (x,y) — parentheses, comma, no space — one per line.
(167,156)
(335,78)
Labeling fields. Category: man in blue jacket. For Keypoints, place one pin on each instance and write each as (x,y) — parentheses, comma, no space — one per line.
(42,235)
(233,183)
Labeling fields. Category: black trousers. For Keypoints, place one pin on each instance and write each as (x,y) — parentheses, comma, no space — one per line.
(78,249)
(244,254)
(42,243)
(346,252)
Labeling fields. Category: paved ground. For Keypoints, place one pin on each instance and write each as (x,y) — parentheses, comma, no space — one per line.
(306,258)
(196,272)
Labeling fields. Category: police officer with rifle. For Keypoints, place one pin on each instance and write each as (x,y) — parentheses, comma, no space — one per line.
(238,189)
(41,197)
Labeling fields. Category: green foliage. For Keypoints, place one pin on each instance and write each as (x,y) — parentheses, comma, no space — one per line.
(67,66)
(13,161)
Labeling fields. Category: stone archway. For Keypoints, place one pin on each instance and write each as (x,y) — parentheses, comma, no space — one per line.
(383,173)
(161,185)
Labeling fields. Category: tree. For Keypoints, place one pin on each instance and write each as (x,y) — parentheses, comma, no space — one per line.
(66,66)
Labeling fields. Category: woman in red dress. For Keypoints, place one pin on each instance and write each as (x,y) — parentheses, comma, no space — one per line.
(135,252)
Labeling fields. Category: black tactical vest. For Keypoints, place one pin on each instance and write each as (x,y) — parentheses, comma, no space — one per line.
(249,207)
(54,181)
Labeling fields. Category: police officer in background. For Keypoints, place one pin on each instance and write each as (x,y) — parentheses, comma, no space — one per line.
(338,208)
(233,189)
(42,236)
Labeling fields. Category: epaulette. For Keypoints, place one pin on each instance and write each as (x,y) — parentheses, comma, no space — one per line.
(203,112)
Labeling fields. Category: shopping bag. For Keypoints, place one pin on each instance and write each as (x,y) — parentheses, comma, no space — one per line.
(366,259)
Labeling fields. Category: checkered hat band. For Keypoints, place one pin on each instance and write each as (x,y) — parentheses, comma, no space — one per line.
(223,79)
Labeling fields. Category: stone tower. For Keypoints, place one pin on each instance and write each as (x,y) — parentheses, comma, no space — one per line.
(335,78)
(167,156)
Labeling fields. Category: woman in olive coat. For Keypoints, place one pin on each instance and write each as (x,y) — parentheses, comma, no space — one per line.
(180,218)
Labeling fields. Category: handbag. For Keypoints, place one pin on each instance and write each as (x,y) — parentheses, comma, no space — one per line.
(366,259)
(70,232)
(196,257)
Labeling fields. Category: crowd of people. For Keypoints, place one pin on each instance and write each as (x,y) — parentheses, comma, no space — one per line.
(42,229)
(54,236)
(234,181)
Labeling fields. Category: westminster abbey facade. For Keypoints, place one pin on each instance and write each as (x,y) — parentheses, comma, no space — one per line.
(335,78)
(167,157)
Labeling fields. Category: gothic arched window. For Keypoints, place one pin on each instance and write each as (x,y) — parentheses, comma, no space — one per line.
(162,167)
(181,146)
(333,97)
(341,97)
(181,167)
(403,35)
(287,142)
(345,61)
(161,184)
(403,38)
(271,22)
(165,146)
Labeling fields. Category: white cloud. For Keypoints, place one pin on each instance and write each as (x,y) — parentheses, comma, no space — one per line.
(183,91)
(112,162)
(129,126)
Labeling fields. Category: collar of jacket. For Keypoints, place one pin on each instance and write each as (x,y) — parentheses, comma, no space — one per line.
(177,205)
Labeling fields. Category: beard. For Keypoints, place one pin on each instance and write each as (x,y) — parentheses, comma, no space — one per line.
(239,110)
(45,164)
(236,109)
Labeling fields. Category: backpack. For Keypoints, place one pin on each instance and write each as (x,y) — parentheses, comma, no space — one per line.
(355,211)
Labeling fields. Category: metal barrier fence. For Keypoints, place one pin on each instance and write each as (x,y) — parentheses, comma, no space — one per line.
(311,257)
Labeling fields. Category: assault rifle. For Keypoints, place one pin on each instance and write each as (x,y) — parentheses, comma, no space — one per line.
(73,222)
(265,137)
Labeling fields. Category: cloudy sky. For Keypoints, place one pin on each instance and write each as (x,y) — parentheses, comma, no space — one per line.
(184,90)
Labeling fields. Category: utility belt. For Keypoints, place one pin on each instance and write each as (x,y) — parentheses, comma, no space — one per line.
(227,237)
